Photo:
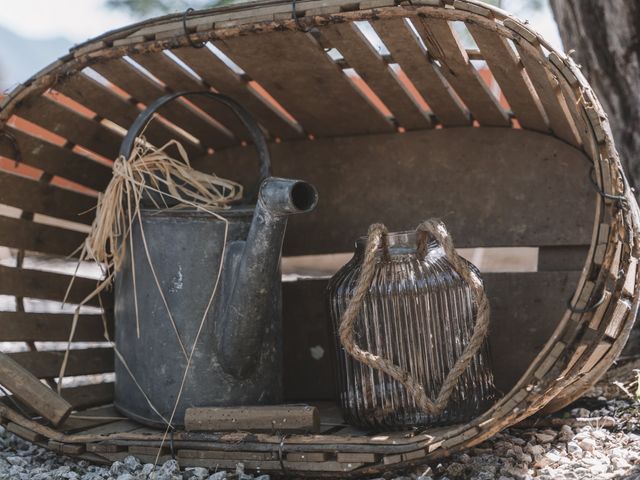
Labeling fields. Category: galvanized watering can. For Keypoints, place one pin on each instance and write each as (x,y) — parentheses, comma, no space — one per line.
(238,356)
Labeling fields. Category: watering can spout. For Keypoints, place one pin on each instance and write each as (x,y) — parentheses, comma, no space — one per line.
(251,302)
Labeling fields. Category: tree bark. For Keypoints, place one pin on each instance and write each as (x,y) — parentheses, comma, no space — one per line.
(605,37)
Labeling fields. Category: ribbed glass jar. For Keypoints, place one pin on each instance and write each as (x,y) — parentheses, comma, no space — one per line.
(419,314)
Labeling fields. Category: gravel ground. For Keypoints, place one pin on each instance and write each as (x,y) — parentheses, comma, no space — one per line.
(575,447)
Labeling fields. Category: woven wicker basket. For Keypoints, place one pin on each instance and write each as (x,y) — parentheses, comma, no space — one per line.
(505,140)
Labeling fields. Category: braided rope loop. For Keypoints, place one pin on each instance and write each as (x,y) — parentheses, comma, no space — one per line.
(376,238)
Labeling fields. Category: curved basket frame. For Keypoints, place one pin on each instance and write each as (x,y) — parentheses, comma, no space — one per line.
(563,370)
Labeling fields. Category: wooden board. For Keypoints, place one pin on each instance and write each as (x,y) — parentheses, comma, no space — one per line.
(376,73)
(47,286)
(71,125)
(309,345)
(57,161)
(510,76)
(569,257)
(444,45)
(513,190)
(22,383)
(37,237)
(178,80)
(260,418)
(81,362)
(50,327)
(87,396)
(219,77)
(548,92)
(426,77)
(105,102)
(37,197)
(146,91)
(301,78)
(525,306)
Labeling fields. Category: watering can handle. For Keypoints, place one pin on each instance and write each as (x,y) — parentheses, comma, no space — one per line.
(258,138)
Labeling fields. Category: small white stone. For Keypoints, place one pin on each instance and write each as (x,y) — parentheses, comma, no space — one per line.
(131,463)
(574,449)
(534,449)
(552,456)
(545,437)
(221,475)
(566,433)
(580,412)
(525,458)
(620,463)
(198,472)
(587,444)
(598,469)
(16,460)
(590,461)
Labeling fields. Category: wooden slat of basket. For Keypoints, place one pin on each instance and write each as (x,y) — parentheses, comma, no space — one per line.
(64,448)
(580,118)
(570,257)
(28,235)
(302,79)
(222,79)
(22,383)
(106,103)
(224,455)
(271,465)
(25,433)
(89,418)
(87,396)
(559,378)
(444,45)
(178,80)
(428,80)
(81,362)
(581,384)
(80,398)
(56,160)
(50,327)
(136,84)
(510,77)
(119,426)
(71,125)
(46,286)
(375,72)
(546,87)
(37,197)
(516,189)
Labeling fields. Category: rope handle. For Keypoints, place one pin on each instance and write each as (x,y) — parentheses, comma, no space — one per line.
(437,230)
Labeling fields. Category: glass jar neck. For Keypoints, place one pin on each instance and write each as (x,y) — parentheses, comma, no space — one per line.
(398,243)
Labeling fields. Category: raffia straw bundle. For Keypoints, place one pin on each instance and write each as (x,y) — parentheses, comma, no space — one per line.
(147,170)
(153,170)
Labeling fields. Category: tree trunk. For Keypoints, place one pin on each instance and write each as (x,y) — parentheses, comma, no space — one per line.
(605,35)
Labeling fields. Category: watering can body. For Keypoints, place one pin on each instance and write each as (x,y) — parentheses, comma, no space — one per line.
(185,249)
(201,294)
